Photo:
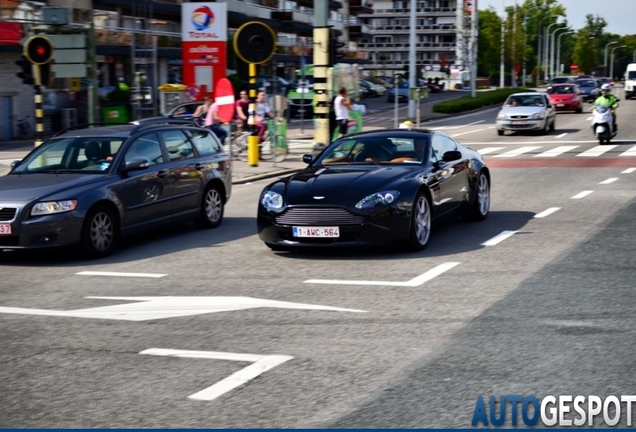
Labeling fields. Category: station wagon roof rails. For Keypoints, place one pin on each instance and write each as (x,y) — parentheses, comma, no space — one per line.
(87,125)
(159,122)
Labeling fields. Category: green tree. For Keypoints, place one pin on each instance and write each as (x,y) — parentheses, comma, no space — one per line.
(489,43)
(584,54)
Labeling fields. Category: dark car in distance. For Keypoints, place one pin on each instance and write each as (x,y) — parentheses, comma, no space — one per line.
(589,87)
(89,186)
(373,188)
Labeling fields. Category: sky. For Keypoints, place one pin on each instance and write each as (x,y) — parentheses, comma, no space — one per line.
(619,14)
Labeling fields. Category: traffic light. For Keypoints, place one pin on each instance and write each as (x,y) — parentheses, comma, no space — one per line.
(26,74)
(45,74)
(334,53)
(38,50)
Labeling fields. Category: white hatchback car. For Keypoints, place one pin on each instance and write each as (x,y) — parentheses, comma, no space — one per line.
(526,112)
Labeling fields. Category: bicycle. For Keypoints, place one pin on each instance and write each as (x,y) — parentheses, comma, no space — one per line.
(25,130)
(277,144)
(238,140)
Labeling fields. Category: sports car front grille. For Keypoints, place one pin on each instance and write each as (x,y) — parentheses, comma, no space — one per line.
(7,213)
(318,216)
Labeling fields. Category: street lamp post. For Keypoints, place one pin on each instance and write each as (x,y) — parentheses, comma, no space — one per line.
(558,62)
(605,59)
(612,60)
(552,50)
(546,49)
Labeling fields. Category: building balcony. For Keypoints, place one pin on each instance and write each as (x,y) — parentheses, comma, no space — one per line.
(404,46)
(357,7)
(333,5)
(421,12)
(398,29)
(358,32)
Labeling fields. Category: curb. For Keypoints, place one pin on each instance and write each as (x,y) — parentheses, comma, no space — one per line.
(265,176)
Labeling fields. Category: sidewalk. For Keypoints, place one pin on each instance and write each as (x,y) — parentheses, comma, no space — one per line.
(299,144)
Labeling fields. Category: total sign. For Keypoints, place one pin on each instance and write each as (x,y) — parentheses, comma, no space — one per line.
(204,41)
(204,22)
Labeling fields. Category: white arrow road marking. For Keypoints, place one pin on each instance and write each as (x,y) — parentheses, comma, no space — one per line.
(100,273)
(498,238)
(149,308)
(547,212)
(261,364)
(421,279)
(582,194)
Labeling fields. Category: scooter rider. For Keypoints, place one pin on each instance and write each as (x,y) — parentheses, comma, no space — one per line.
(607,99)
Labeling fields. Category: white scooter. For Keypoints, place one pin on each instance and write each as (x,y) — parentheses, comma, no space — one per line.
(603,123)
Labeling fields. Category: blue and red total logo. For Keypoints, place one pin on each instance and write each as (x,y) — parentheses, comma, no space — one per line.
(202,18)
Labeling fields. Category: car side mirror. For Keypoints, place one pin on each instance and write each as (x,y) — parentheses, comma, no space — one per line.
(452,155)
(307,158)
(15,163)
(136,165)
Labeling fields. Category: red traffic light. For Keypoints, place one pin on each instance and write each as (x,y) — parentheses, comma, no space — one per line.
(38,50)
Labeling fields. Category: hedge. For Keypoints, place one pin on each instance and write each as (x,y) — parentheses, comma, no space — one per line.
(481,100)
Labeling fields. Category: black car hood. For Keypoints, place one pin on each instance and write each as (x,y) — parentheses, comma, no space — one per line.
(27,187)
(342,185)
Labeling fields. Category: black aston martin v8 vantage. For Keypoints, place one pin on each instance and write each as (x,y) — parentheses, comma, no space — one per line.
(375,187)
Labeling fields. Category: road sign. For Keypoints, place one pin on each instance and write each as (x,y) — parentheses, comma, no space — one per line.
(75,84)
(70,56)
(150,308)
(224,98)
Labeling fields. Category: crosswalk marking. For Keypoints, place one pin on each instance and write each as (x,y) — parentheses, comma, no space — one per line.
(517,152)
(556,151)
(490,150)
(596,151)
(630,152)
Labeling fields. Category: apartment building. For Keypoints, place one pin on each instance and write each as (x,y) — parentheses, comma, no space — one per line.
(438,40)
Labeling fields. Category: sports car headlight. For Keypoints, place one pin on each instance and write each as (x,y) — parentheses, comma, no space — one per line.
(378,199)
(272,200)
(51,207)
(537,116)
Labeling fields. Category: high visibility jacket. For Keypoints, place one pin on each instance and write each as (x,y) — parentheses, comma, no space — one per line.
(608,100)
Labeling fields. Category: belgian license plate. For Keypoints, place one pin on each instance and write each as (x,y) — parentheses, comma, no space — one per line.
(560,105)
(5,229)
(519,122)
(320,232)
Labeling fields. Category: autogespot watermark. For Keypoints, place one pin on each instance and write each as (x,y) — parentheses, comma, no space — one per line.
(563,410)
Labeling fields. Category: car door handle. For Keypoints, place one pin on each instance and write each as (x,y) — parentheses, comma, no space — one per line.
(162,173)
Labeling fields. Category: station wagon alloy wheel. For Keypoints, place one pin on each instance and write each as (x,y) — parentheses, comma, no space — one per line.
(100,232)
(212,209)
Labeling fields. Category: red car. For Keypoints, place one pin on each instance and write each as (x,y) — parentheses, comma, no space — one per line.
(566,97)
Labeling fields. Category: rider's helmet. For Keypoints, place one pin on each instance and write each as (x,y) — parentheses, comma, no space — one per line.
(606,88)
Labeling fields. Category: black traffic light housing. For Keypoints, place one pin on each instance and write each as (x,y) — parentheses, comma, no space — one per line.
(334,47)
(38,50)
(26,73)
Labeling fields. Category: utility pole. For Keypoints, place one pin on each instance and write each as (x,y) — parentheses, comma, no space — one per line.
(513,40)
(502,62)
(473,49)
(412,58)
(321,66)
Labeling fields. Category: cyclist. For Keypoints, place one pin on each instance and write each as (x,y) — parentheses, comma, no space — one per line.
(214,123)
(262,112)
(607,99)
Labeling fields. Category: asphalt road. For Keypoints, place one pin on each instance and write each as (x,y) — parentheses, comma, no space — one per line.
(546,311)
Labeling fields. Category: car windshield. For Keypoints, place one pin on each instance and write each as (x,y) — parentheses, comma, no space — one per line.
(561,90)
(559,80)
(87,155)
(375,149)
(631,75)
(526,101)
